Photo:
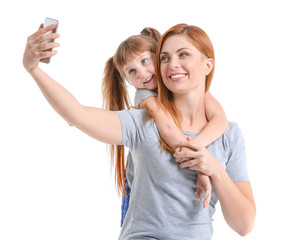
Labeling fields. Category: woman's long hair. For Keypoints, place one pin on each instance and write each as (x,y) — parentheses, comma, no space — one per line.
(115,93)
(202,42)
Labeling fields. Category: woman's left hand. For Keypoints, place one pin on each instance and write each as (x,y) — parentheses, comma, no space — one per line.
(196,158)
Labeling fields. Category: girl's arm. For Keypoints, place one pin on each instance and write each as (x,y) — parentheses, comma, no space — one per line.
(217,122)
(100,124)
(173,135)
(164,122)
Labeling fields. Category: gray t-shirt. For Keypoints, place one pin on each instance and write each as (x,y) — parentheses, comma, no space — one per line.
(163,202)
(142,93)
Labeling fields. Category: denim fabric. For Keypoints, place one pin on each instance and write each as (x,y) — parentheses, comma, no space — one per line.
(125,203)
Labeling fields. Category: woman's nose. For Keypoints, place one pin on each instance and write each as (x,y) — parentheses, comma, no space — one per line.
(174,63)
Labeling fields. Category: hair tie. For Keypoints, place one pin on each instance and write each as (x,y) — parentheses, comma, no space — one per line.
(145,32)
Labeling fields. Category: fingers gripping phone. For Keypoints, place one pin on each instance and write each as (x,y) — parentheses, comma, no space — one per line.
(48,22)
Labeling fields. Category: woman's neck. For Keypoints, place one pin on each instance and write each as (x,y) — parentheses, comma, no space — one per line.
(192,110)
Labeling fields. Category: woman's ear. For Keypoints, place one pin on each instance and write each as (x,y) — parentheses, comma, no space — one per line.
(209,65)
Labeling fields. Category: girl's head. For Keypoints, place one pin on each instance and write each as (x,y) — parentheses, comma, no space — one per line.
(133,61)
(184,55)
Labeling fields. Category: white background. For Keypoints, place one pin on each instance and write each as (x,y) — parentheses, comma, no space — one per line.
(55,181)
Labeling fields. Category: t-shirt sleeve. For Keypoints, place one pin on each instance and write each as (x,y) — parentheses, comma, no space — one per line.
(236,166)
(132,126)
(142,93)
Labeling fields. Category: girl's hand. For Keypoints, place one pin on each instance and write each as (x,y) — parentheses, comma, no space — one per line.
(151,104)
(203,183)
(196,158)
(36,47)
(178,149)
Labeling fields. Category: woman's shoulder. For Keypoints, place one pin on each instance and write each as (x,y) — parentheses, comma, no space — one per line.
(233,128)
(137,115)
(232,135)
(137,118)
(137,126)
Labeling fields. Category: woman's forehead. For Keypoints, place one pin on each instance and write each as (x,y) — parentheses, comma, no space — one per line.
(177,41)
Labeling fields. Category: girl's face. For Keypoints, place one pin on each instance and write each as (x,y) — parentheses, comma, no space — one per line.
(140,71)
(183,67)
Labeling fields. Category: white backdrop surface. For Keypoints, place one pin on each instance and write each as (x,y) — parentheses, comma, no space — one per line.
(55,181)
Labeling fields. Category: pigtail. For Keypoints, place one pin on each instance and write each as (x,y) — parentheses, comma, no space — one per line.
(115,97)
(114,89)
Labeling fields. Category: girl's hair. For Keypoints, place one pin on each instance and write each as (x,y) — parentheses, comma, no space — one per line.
(202,42)
(114,89)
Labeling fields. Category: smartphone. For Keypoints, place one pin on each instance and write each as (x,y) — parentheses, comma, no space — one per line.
(48,22)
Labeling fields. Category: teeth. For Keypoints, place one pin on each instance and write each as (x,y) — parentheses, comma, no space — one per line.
(178,76)
(148,79)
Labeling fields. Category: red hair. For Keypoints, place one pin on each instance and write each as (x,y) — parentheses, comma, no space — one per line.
(202,42)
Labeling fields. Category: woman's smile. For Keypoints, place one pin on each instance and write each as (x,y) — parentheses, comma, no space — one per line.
(178,76)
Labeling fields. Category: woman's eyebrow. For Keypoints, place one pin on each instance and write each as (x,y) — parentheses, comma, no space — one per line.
(181,49)
(178,50)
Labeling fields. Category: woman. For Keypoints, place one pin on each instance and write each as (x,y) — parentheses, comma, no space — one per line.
(134,61)
(161,207)
(162,204)
(175,54)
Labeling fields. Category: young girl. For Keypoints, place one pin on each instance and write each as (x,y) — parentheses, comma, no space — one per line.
(134,61)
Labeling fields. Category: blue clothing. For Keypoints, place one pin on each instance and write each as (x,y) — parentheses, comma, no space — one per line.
(125,203)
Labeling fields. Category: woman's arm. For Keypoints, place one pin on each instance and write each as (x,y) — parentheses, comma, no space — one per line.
(237,202)
(217,122)
(100,124)
(236,198)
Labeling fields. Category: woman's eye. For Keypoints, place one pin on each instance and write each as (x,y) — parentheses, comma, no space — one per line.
(163,58)
(184,54)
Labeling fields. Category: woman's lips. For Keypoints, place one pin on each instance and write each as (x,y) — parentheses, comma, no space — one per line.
(177,76)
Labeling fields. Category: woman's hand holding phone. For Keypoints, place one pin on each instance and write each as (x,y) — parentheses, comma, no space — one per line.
(40,46)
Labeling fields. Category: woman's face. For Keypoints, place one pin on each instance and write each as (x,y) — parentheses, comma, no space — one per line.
(183,67)
(140,71)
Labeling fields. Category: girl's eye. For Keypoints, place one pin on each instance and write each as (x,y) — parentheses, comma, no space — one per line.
(131,71)
(144,61)
(163,58)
